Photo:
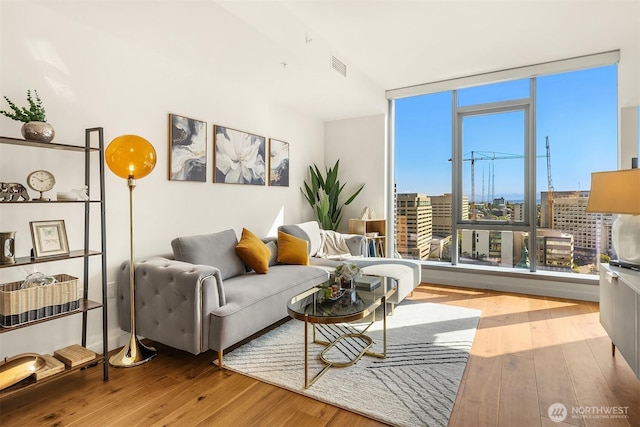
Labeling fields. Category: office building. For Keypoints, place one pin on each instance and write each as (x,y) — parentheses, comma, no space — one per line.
(413,225)
(443,212)
(590,231)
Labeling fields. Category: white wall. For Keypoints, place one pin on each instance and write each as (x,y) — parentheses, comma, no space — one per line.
(88,76)
(360,144)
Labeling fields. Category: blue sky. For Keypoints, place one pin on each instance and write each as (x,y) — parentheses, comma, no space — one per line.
(576,110)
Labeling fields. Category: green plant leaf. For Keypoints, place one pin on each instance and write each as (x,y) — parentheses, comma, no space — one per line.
(323,195)
(350,199)
(318,176)
(309,195)
(323,211)
(332,177)
(35,112)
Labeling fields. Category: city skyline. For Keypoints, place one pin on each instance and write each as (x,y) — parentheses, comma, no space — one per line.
(424,231)
(576,110)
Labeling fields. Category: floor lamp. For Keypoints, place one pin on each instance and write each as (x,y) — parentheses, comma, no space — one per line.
(131,157)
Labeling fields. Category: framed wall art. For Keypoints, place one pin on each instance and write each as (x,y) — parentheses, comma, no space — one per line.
(278,163)
(49,238)
(187,149)
(239,157)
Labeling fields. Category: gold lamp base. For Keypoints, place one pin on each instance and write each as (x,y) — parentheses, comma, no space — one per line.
(133,354)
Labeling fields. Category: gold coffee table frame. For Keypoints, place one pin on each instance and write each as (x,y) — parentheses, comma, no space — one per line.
(307,307)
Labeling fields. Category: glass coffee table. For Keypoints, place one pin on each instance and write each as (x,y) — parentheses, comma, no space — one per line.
(318,306)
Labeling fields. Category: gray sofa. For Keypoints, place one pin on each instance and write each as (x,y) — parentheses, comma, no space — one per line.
(204,297)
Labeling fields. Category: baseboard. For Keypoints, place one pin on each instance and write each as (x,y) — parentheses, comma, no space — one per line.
(115,340)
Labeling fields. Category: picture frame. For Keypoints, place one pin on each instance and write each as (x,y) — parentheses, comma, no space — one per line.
(187,149)
(239,157)
(278,163)
(49,238)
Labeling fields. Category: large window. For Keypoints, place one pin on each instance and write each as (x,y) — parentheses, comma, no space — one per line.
(499,174)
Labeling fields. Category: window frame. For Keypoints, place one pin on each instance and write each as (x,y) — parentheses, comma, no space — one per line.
(530,71)
(527,105)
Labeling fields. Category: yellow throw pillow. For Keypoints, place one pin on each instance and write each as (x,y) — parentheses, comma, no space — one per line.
(253,252)
(292,250)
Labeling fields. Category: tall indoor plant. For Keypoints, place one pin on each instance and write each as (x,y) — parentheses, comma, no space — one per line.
(323,195)
(35,127)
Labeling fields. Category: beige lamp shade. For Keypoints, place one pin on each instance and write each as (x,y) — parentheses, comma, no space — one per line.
(618,192)
(615,192)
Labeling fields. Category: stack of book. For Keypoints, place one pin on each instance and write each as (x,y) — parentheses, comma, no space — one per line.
(368,283)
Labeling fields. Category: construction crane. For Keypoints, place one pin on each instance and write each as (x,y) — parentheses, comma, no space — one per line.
(483,155)
(549,185)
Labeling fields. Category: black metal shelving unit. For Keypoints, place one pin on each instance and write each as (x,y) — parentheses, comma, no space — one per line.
(86,252)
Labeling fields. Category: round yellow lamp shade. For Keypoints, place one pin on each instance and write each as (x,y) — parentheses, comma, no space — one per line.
(130,156)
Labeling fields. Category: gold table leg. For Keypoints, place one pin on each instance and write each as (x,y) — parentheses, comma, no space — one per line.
(382,355)
(328,364)
(306,351)
(308,383)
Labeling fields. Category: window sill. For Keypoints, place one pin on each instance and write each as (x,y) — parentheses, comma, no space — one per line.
(544,283)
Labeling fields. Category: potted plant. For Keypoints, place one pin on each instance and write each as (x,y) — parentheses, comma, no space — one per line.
(323,195)
(346,273)
(35,126)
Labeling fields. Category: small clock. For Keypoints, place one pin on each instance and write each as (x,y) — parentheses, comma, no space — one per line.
(41,181)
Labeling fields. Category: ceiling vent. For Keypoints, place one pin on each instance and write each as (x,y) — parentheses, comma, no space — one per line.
(339,66)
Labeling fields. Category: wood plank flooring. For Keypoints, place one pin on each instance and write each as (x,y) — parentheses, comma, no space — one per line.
(529,353)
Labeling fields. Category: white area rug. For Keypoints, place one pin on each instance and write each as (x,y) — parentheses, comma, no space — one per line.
(416,385)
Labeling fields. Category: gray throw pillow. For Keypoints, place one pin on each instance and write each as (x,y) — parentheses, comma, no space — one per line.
(273,247)
(309,231)
(217,250)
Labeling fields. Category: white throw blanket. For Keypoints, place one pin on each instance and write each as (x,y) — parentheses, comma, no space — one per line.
(333,245)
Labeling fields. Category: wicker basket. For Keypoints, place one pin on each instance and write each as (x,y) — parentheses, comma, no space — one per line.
(20,306)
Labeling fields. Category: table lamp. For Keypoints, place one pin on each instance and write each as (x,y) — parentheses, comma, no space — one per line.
(131,157)
(618,192)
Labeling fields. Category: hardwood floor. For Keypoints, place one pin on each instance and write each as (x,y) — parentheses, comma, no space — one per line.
(529,353)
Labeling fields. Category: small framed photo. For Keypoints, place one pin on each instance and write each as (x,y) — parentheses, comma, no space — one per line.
(49,238)
(278,163)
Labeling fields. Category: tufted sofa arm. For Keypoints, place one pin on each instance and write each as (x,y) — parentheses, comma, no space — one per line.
(173,301)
